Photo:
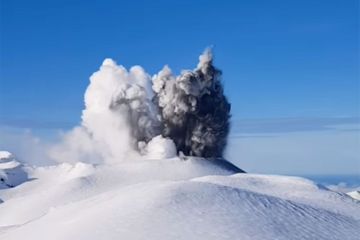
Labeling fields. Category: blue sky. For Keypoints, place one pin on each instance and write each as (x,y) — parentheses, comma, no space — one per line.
(288,66)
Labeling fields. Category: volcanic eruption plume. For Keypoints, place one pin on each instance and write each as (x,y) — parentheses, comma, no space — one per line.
(194,111)
(131,113)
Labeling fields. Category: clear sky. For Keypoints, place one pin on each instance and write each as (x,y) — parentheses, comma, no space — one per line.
(288,66)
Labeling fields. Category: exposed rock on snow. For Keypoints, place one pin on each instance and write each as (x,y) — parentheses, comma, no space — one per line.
(11,171)
(172,199)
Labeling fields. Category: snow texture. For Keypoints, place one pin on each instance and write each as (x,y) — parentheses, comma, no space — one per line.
(172,199)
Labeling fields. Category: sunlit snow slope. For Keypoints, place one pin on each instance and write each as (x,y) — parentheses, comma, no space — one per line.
(172,199)
(11,171)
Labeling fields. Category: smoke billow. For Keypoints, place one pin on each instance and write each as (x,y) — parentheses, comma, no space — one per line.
(128,113)
(195,113)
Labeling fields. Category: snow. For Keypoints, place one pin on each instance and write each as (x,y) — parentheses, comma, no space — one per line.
(5,155)
(354,195)
(172,199)
(12,172)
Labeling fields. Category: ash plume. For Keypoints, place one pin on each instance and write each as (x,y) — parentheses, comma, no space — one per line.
(194,110)
(129,114)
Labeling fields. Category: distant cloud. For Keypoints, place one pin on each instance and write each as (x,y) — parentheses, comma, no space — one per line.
(343,187)
(296,145)
(25,145)
(34,124)
(286,125)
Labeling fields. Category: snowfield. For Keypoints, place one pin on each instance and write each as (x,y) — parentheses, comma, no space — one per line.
(171,199)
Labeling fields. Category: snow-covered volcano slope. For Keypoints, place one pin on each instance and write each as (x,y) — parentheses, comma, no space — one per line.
(172,199)
(12,172)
